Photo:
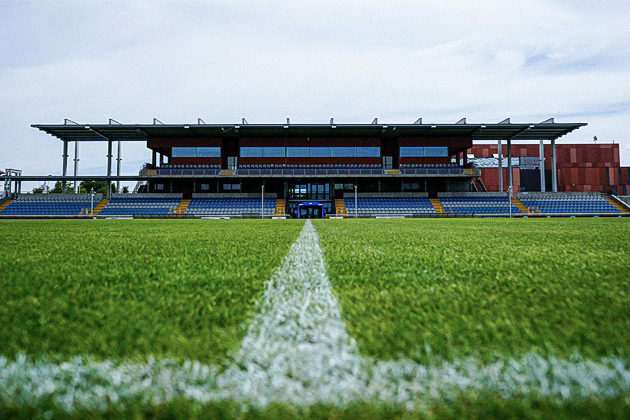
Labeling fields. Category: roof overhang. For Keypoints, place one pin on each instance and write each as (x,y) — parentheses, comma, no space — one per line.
(140,132)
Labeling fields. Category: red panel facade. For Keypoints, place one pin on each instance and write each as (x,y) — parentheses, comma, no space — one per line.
(581,167)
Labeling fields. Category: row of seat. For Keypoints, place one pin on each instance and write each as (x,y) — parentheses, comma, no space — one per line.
(390,205)
(429,165)
(172,166)
(464,204)
(141,205)
(567,203)
(25,207)
(230,206)
(309,166)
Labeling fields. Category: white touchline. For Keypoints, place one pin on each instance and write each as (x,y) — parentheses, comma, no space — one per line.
(297,350)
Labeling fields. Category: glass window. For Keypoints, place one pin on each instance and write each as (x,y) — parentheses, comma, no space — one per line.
(321,152)
(273,151)
(205,187)
(297,152)
(345,151)
(435,151)
(208,152)
(183,152)
(368,151)
(406,151)
(251,152)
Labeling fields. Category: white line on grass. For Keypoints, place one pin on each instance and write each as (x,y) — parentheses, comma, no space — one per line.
(297,350)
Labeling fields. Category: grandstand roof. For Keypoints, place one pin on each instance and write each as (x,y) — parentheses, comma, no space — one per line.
(547,130)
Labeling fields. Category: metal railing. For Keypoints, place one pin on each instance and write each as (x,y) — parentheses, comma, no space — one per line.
(313,171)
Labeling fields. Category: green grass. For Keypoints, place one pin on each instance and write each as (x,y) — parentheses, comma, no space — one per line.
(447,289)
(429,290)
(129,289)
(471,406)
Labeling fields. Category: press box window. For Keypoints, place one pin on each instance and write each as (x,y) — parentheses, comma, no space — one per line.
(251,152)
(406,151)
(297,152)
(177,152)
(209,152)
(345,151)
(436,151)
(321,152)
(368,151)
(273,151)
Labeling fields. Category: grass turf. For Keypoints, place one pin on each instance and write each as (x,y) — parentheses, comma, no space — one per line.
(129,289)
(447,289)
(184,289)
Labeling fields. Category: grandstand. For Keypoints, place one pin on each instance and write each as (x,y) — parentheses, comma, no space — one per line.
(49,204)
(322,170)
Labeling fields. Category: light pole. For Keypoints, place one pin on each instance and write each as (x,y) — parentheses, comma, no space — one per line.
(510,199)
(262,202)
(356,207)
(92,201)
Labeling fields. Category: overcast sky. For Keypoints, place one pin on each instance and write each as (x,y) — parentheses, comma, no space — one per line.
(308,60)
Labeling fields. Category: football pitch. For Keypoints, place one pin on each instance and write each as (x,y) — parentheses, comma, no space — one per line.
(330,318)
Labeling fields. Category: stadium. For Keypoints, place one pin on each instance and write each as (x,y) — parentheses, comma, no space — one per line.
(340,170)
(321,271)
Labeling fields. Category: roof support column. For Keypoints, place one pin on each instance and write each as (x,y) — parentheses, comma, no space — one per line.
(154,158)
(76,166)
(161,159)
(554,174)
(542,166)
(64,166)
(118,159)
(510,187)
(500,155)
(465,153)
(109,169)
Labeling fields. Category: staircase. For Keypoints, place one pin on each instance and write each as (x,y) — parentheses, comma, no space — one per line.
(226,172)
(5,205)
(99,207)
(520,206)
(611,200)
(479,185)
(439,208)
(340,206)
(183,205)
(281,205)
(138,186)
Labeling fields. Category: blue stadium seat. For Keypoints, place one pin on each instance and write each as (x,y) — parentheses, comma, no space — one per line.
(477,204)
(230,206)
(567,203)
(390,205)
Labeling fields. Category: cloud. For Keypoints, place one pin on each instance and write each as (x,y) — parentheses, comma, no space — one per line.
(269,60)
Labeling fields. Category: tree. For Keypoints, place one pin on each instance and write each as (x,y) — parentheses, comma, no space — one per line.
(38,190)
(58,188)
(99,187)
(125,189)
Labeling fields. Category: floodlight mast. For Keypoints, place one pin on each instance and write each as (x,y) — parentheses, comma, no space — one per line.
(356,207)
(92,201)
